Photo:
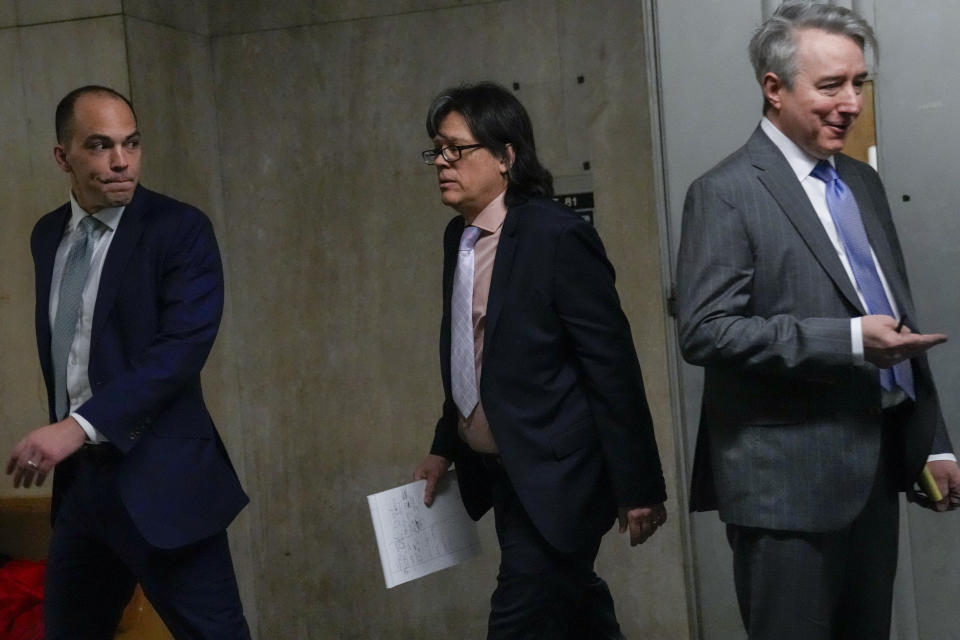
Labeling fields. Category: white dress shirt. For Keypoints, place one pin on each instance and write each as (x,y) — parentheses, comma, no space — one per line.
(78,381)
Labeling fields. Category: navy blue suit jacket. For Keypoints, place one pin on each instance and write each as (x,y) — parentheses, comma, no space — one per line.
(560,384)
(157,313)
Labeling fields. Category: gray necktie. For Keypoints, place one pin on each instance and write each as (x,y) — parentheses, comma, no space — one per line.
(463,366)
(75,270)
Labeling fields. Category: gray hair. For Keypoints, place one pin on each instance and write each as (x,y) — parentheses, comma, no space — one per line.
(773,47)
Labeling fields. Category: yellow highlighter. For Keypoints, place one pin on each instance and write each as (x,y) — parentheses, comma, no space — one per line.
(929,485)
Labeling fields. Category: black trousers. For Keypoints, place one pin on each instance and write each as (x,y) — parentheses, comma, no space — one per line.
(97,557)
(835,585)
(542,593)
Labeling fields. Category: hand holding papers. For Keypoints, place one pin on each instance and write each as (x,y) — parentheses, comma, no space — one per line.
(415,540)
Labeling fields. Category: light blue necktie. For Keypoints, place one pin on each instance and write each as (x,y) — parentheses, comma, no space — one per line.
(75,270)
(846,216)
(463,365)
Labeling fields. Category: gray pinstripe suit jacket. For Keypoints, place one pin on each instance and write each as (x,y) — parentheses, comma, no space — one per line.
(789,432)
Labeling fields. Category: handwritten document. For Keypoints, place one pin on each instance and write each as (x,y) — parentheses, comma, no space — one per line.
(414,540)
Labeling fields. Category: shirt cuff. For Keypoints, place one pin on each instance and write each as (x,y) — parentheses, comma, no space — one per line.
(942,456)
(856,340)
(92,434)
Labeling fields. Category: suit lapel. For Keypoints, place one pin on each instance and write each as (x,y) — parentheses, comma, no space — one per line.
(781,182)
(47,243)
(451,243)
(127,235)
(502,266)
(450,249)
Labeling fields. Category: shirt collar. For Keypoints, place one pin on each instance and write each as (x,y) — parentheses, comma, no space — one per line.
(799,160)
(493,215)
(110,217)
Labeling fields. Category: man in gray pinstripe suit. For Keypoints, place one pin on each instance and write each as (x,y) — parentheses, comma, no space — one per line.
(818,403)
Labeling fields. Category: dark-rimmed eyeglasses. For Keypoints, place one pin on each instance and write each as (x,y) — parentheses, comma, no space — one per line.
(450,153)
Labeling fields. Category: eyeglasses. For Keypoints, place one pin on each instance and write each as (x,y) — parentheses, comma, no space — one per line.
(450,153)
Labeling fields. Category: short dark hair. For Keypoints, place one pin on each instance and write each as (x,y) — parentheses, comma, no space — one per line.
(64,117)
(497,119)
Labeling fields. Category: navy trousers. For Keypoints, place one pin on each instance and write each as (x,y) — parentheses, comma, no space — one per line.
(542,593)
(97,557)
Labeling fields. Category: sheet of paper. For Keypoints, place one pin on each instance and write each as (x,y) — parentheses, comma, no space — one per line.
(414,540)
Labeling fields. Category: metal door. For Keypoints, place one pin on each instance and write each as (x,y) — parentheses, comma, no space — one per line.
(709,103)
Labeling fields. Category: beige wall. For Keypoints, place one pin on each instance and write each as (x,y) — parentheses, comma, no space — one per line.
(36,70)
(171,84)
(297,126)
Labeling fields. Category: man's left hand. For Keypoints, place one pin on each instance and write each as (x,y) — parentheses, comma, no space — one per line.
(642,521)
(946,473)
(42,449)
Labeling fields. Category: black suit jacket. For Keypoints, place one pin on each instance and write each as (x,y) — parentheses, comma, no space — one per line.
(560,383)
(156,316)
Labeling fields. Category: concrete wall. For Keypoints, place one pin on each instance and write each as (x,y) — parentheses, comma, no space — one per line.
(53,50)
(159,55)
(171,84)
(297,126)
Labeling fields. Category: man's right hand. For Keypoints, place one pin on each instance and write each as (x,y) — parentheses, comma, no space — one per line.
(432,469)
(885,347)
(42,449)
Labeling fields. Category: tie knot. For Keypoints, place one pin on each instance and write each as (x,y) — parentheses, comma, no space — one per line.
(88,225)
(469,238)
(824,171)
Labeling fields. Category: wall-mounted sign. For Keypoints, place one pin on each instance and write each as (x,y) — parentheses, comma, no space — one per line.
(581,202)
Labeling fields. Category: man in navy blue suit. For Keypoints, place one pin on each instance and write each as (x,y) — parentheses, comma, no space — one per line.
(544,413)
(129,297)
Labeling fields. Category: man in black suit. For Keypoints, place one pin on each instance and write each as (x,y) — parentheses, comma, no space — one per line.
(818,402)
(544,412)
(129,298)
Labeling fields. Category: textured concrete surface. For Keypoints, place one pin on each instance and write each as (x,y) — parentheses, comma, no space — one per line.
(340,232)
(8,13)
(186,15)
(172,88)
(245,16)
(21,388)
(39,11)
(35,75)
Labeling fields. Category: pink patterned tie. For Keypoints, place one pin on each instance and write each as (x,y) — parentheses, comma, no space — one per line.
(463,366)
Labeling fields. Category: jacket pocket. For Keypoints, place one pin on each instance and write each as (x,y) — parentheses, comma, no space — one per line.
(576,437)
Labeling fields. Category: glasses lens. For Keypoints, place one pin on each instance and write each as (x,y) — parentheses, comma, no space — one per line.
(451,153)
(429,156)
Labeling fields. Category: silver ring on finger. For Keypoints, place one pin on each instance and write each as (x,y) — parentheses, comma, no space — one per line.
(33,465)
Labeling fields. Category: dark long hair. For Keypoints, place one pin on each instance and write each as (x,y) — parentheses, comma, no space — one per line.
(496,118)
